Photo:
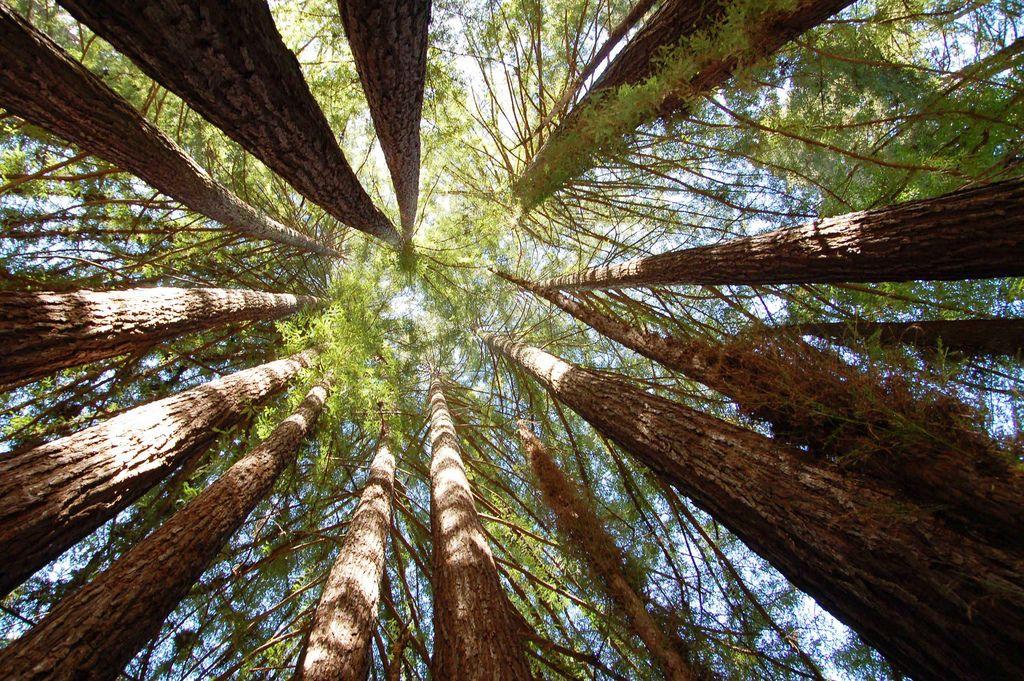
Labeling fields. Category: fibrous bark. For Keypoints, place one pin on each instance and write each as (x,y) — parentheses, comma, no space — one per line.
(339,641)
(54,495)
(969,234)
(389,43)
(939,604)
(97,630)
(229,63)
(476,635)
(41,83)
(42,333)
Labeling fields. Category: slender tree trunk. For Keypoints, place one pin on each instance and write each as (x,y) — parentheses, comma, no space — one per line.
(476,633)
(41,83)
(339,642)
(937,603)
(580,525)
(389,43)
(54,495)
(95,632)
(969,234)
(42,333)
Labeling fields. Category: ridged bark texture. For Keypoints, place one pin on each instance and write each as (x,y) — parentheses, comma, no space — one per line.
(229,63)
(54,495)
(476,636)
(346,617)
(96,631)
(969,234)
(42,333)
(580,525)
(41,83)
(389,43)
(970,337)
(938,604)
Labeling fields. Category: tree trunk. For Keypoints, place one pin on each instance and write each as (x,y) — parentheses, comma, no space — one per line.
(476,633)
(54,495)
(97,630)
(339,641)
(389,43)
(970,234)
(42,333)
(937,603)
(579,523)
(41,83)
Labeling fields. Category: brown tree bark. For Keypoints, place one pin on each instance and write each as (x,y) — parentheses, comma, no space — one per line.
(95,632)
(229,63)
(339,641)
(937,603)
(970,234)
(476,634)
(579,523)
(42,333)
(41,83)
(54,495)
(389,43)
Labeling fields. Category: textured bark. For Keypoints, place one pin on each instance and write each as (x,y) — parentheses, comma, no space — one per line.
(476,633)
(938,604)
(389,43)
(96,631)
(42,333)
(578,522)
(229,63)
(969,234)
(970,337)
(346,617)
(55,494)
(41,83)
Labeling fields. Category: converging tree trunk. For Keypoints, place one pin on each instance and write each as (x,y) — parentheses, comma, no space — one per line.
(476,635)
(970,234)
(54,495)
(41,83)
(42,333)
(95,632)
(936,602)
(339,641)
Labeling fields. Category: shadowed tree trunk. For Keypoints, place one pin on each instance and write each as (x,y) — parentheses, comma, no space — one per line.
(580,525)
(339,641)
(42,333)
(97,630)
(476,634)
(229,63)
(937,603)
(969,234)
(54,495)
(41,83)
(389,43)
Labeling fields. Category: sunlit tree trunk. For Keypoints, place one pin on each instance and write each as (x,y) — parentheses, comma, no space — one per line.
(41,83)
(339,642)
(54,495)
(938,603)
(476,635)
(96,631)
(42,333)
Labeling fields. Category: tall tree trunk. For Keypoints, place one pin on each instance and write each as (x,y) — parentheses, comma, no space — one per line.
(227,60)
(389,43)
(54,495)
(970,234)
(476,633)
(95,632)
(937,603)
(579,523)
(42,333)
(41,83)
(339,641)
